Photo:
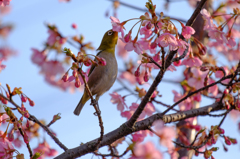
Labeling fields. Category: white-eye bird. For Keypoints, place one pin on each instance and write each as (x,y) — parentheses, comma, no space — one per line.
(101,78)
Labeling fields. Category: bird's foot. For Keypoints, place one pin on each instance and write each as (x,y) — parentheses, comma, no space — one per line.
(97,112)
(95,103)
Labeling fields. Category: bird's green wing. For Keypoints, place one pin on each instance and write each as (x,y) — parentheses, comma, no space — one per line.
(93,66)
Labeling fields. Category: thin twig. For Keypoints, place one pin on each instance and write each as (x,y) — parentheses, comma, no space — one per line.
(28,146)
(34,119)
(194,92)
(112,153)
(145,10)
(158,102)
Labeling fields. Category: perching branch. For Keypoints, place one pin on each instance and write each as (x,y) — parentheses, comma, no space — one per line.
(123,130)
(95,105)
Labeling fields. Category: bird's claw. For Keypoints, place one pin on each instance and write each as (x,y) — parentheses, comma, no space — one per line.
(97,112)
(94,102)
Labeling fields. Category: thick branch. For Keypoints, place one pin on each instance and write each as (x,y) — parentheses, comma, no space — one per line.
(123,130)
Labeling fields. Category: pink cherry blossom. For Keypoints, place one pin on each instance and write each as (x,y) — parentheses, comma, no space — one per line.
(6,147)
(148,111)
(5,30)
(132,45)
(214,89)
(64,0)
(52,38)
(3,119)
(5,10)
(146,45)
(139,136)
(120,49)
(57,82)
(45,150)
(187,104)
(17,142)
(4,2)
(146,30)
(119,100)
(140,78)
(6,52)
(218,35)
(219,74)
(52,68)
(156,58)
(192,62)
(146,151)
(182,45)
(117,26)
(197,80)
(234,114)
(128,76)
(197,97)
(231,42)
(187,32)
(208,20)
(1,66)
(38,57)
(166,134)
(74,26)
(127,114)
(130,112)
(166,39)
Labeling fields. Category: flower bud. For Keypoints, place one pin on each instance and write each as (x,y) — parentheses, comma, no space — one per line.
(26,115)
(102,62)
(31,103)
(11,136)
(153,45)
(65,77)
(77,83)
(221,130)
(146,76)
(227,141)
(74,26)
(226,91)
(26,139)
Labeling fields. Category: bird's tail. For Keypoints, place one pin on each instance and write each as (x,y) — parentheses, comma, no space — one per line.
(80,105)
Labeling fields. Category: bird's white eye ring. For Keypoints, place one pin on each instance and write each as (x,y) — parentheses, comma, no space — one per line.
(110,33)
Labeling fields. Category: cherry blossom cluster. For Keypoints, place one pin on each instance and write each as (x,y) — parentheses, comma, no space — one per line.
(224,35)
(53,69)
(4,3)
(5,30)
(154,35)
(213,134)
(77,66)
(18,129)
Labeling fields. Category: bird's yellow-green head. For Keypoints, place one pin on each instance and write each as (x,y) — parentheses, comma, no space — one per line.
(109,41)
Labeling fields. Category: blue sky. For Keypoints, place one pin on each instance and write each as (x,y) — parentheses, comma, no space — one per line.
(29,32)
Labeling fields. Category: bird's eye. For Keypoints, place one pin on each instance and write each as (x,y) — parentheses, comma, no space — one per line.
(110,33)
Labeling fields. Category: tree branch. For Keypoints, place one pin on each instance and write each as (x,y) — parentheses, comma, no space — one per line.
(34,119)
(123,130)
